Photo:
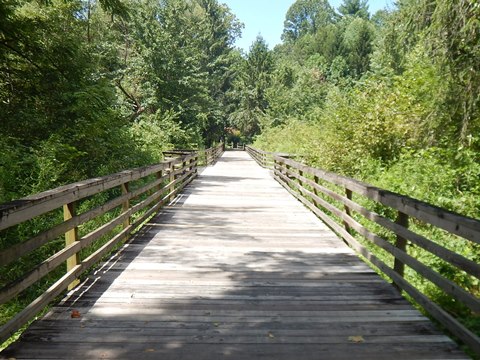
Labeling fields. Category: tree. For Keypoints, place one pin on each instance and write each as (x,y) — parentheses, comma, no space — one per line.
(306,17)
(250,87)
(358,46)
(453,40)
(219,29)
(355,8)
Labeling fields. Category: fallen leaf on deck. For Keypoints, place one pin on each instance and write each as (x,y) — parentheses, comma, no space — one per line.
(270,335)
(75,314)
(216,324)
(356,339)
(149,350)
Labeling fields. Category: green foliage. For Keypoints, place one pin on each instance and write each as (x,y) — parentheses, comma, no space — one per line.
(306,17)
(83,84)
(253,79)
(357,44)
(356,8)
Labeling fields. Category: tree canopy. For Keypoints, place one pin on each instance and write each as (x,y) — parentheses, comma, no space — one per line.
(88,87)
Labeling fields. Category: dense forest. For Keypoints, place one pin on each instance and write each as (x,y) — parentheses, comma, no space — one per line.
(91,87)
(88,88)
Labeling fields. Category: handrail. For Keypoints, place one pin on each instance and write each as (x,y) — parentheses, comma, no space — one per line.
(206,157)
(122,202)
(212,154)
(264,158)
(342,203)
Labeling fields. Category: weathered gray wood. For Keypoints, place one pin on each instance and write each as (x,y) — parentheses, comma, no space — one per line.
(24,209)
(463,226)
(13,253)
(11,290)
(201,281)
(441,315)
(27,208)
(273,350)
(453,258)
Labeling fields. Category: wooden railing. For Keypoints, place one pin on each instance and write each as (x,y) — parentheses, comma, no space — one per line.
(93,216)
(236,146)
(206,157)
(264,158)
(212,154)
(356,210)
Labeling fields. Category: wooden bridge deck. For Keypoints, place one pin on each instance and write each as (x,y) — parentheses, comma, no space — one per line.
(235,269)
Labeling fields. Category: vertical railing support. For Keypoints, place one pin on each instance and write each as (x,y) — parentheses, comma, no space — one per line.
(71,236)
(300,174)
(190,167)
(316,179)
(401,244)
(348,212)
(159,175)
(171,179)
(126,204)
(274,167)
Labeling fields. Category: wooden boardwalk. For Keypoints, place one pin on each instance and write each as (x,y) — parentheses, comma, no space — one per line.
(235,269)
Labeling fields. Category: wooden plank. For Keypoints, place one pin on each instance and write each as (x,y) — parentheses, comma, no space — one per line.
(14,288)
(73,247)
(38,304)
(177,350)
(11,254)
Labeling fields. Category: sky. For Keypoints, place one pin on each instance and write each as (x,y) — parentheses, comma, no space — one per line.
(266,17)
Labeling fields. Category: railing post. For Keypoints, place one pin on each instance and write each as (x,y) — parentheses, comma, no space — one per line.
(184,170)
(126,204)
(401,244)
(171,179)
(315,190)
(348,193)
(159,175)
(71,236)
(190,167)
(300,174)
